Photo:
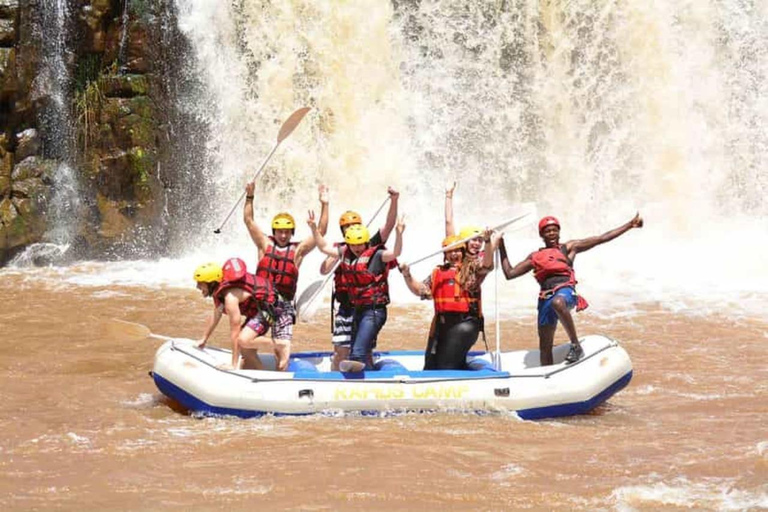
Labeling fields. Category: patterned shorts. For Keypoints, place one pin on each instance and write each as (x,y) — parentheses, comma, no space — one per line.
(281,323)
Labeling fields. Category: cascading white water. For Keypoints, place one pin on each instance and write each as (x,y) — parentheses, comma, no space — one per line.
(591,111)
(53,84)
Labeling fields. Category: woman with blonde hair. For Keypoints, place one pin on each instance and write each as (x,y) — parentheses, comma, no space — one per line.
(454,287)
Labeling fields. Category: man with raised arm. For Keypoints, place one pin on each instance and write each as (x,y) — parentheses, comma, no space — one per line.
(279,261)
(552,267)
(365,268)
(344,314)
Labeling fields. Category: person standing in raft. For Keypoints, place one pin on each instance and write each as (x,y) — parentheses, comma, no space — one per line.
(473,245)
(344,317)
(454,287)
(552,267)
(279,261)
(246,299)
(365,268)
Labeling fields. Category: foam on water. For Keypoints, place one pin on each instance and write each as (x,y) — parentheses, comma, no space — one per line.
(709,494)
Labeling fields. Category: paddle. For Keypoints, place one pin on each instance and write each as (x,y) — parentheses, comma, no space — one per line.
(288,126)
(311,292)
(458,243)
(497,355)
(133,330)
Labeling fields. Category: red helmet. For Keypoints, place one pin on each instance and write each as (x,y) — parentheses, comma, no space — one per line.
(233,269)
(548,221)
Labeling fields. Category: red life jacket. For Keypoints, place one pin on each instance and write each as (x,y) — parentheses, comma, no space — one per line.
(278,266)
(340,284)
(364,288)
(261,293)
(553,262)
(550,262)
(448,295)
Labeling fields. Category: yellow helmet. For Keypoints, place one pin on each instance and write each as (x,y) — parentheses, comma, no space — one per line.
(283,221)
(470,231)
(453,239)
(357,234)
(349,217)
(208,273)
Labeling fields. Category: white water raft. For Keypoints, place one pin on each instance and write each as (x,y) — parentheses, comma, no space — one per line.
(192,377)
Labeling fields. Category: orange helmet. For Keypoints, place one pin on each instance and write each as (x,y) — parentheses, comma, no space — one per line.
(349,218)
(452,240)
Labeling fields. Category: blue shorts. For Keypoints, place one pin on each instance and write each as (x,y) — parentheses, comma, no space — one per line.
(547,314)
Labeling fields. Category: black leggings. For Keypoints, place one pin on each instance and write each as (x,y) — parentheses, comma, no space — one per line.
(454,335)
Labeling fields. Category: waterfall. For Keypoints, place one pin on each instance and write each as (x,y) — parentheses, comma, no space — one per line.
(588,110)
(53,83)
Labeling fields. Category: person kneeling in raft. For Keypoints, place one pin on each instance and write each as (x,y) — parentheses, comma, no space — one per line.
(366,269)
(552,267)
(248,300)
(454,287)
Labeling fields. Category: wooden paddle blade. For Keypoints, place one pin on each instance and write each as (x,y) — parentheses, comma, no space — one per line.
(120,328)
(291,123)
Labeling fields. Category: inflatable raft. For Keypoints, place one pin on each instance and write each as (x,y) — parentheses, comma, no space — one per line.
(515,382)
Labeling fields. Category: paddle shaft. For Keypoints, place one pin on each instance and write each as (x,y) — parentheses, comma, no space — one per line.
(234,207)
(465,240)
(285,130)
(497,359)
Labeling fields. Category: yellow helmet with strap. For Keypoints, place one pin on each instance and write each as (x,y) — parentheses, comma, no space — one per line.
(283,221)
(209,273)
(470,231)
(357,234)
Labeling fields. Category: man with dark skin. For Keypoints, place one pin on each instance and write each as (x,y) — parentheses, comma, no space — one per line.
(553,269)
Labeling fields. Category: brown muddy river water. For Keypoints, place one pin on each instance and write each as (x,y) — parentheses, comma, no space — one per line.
(84,428)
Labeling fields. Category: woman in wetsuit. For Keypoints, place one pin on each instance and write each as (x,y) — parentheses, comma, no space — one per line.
(454,287)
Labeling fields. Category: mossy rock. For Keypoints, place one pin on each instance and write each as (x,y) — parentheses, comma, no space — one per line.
(142,165)
(113,224)
(134,130)
(124,86)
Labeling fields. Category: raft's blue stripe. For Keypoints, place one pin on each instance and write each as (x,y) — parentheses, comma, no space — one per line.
(415,374)
(196,405)
(419,353)
(536,413)
(555,411)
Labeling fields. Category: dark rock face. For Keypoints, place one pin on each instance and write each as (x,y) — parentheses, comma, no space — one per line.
(119,109)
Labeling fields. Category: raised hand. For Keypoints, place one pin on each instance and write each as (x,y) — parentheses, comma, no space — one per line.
(393,194)
(249,188)
(449,189)
(400,227)
(637,221)
(311,221)
(322,190)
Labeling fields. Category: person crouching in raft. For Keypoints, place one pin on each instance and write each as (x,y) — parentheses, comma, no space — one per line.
(365,267)
(246,299)
(454,287)
(552,267)
(345,313)
(279,261)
